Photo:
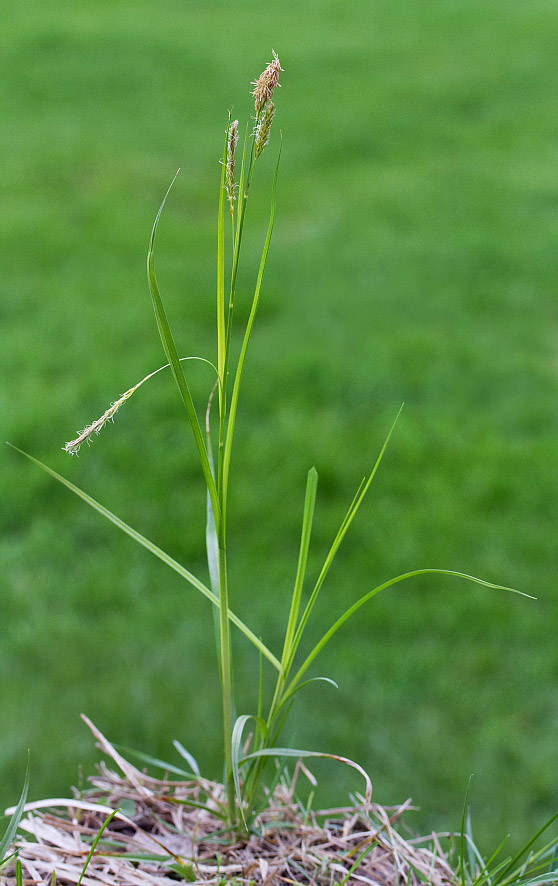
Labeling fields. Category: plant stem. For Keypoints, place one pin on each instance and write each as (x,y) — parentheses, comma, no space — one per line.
(226,673)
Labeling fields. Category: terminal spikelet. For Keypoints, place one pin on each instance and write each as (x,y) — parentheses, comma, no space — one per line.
(229,174)
(264,86)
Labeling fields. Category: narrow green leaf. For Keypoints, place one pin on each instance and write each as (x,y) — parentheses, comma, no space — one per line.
(186,755)
(8,858)
(515,860)
(19,875)
(172,357)
(296,689)
(246,340)
(154,761)
(156,551)
(13,824)
(356,606)
(486,874)
(348,519)
(373,843)
(462,837)
(94,845)
(293,752)
(212,545)
(307,519)
(236,745)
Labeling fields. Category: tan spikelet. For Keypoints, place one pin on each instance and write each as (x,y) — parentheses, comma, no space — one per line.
(264,86)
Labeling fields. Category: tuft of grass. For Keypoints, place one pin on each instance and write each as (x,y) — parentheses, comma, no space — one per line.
(245,762)
(531,865)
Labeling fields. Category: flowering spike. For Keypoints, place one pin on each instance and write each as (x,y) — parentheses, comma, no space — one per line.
(261,132)
(265,85)
(229,175)
(73,446)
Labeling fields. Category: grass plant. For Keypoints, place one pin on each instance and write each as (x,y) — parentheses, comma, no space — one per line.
(531,865)
(245,760)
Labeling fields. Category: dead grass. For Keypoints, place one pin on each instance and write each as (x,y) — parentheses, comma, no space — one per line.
(174,830)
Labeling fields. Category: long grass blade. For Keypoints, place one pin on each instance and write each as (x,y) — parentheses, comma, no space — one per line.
(462,836)
(157,551)
(172,357)
(515,860)
(286,698)
(348,519)
(294,752)
(94,845)
(246,339)
(486,873)
(392,581)
(236,745)
(211,540)
(13,824)
(307,519)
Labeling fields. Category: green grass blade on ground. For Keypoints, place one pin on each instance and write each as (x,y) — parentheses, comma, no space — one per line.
(356,606)
(13,824)
(157,551)
(509,874)
(172,357)
(463,836)
(94,845)
(236,745)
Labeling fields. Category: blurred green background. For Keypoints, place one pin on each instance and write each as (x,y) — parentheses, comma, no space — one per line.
(414,259)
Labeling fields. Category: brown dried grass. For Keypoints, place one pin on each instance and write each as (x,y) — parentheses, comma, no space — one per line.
(167,838)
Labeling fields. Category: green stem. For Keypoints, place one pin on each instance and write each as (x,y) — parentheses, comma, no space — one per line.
(226,676)
(224,473)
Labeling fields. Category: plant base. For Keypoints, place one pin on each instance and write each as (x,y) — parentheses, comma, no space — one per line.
(173,830)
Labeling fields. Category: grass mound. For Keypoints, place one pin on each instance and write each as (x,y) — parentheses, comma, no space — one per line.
(171,830)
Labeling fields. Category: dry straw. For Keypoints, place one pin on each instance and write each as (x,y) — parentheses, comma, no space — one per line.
(174,830)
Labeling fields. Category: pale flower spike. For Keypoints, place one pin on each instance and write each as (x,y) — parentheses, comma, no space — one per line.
(264,86)
(85,436)
(73,446)
(229,175)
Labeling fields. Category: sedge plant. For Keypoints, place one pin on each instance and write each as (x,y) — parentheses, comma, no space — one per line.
(244,762)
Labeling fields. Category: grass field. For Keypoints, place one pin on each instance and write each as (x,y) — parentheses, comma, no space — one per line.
(414,259)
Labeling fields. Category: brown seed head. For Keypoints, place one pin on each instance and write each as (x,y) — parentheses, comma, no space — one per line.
(265,85)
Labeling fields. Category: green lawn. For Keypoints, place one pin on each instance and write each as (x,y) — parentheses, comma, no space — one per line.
(414,259)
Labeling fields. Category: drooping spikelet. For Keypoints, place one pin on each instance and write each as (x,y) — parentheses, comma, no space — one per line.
(85,436)
(73,446)
(229,174)
(261,132)
(264,86)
